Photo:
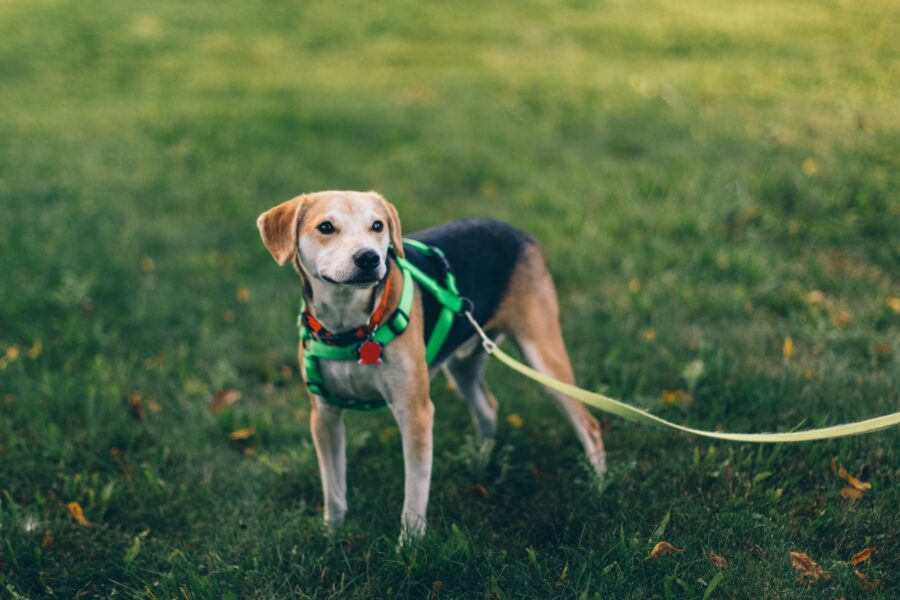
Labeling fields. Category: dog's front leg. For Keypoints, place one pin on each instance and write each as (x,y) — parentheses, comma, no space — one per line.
(415,417)
(327,427)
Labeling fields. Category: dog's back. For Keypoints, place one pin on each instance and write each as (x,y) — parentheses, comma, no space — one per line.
(483,253)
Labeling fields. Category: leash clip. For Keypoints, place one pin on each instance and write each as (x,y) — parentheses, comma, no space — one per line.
(487,343)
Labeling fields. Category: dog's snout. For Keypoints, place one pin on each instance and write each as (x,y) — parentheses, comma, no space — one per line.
(367,260)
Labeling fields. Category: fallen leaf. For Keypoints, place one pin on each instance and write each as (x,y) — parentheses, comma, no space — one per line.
(815,297)
(48,539)
(676,397)
(894,304)
(154,406)
(241,434)
(862,486)
(634,286)
(663,548)
(74,510)
(243,295)
(863,555)
(35,349)
(843,319)
(787,348)
(514,420)
(809,167)
(137,405)
(148,265)
(12,353)
(850,493)
(648,335)
(807,567)
(223,399)
(718,560)
(869,585)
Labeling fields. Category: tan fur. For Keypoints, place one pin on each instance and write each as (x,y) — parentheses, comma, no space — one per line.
(529,312)
(393,220)
(278,228)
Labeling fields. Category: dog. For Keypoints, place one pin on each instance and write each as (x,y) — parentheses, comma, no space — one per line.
(345,246)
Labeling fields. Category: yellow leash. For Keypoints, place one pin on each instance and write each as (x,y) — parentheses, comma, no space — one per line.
(635,414)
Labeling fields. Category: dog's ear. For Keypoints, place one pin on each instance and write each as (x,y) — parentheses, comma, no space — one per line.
(393,226)
(278,228)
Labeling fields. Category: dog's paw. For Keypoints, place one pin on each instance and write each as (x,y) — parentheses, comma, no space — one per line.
(598,462)
(411,533)
(333,526)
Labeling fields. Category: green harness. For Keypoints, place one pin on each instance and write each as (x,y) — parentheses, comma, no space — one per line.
(315,350)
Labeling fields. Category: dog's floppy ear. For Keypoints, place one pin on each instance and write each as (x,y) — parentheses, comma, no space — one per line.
(393,226)
(278,228)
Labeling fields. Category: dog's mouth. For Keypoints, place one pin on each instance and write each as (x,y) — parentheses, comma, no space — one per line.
(359,282)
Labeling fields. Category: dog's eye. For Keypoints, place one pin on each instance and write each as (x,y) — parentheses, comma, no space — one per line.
(377,226)
(325,227)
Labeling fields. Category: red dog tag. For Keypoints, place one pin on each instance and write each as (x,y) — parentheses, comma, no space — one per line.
(369,353)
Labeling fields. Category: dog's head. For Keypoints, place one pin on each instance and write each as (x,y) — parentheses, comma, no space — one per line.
(338,237)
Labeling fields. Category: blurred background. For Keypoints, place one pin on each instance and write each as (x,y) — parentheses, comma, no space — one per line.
(715,185)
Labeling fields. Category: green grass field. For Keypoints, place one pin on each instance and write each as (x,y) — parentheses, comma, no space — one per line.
(708,179)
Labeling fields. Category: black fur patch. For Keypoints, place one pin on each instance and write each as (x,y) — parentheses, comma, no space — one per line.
(483,254)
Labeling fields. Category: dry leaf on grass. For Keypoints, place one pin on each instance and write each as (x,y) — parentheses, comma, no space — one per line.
(137,405)
(223,399)
(850,493)
(514,420)
(241,434)
(48,539)
(841,472)
(787,348)
(676,397)
(35,349)
(718,560)
(868,584)
(815,297)
(663,548)
(74,511)
(807,567)
(863,555)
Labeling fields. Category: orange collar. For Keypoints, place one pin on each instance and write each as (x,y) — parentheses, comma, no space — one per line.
(360,332)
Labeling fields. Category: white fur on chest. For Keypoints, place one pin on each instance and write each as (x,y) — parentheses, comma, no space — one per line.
(349,379)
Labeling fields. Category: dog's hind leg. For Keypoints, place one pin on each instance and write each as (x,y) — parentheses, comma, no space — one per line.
(530,313)
(466,371)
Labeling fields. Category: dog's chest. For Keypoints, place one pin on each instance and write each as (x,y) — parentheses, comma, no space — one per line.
(349,379)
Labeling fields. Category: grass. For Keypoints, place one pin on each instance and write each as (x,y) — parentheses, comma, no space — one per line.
(694,170)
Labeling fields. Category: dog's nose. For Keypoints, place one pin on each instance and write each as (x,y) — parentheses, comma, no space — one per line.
(367,260)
